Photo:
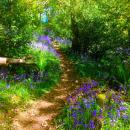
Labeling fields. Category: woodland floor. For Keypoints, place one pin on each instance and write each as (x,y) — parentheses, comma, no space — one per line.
(42,112)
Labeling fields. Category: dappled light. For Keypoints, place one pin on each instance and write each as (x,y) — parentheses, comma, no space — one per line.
(50,104)
(64,65)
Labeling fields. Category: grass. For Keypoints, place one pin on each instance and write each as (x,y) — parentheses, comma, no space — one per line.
(15,94)
(22,92)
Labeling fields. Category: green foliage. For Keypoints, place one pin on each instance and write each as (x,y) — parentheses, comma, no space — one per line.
(47,63)
(85,67)
(115,66)
(120,123)
(17,93)
(39,58)
(19,18)
(59,17)
(96,26)
(110,66)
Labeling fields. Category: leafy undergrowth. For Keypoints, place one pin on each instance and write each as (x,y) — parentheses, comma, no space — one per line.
(91,107)
(94,105)
(83,66)
(110,69)
(18,88)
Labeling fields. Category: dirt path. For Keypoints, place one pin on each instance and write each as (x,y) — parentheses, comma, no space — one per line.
(40,115)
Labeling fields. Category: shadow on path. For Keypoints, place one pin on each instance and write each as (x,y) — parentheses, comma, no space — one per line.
(40,115)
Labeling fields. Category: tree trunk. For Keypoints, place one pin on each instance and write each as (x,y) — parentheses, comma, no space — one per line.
(75,33)
(74,27)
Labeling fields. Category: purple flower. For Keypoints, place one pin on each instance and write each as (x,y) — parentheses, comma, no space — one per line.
(100,111)
(63,40)
(89,86)
(94,112)
(122,108)
(100,116)
(120,88)
(68,100)
(125,116)
(71,107)
(118,113)
(77,106)
(94,83)
(45,39)
(91,124)
(45,46)
(111,107)
(93,93)
(74,114)
(75,122)
(85,100)
(84,85)
(87,105)
(110,115)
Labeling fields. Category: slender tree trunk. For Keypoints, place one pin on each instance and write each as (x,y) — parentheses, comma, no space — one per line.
(75,33)
(74,27)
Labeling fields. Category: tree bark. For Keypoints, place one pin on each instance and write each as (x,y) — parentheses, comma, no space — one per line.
(6,61)
(75,34)
(74,27)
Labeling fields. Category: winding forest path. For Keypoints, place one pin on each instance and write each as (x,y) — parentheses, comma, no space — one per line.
(42,112)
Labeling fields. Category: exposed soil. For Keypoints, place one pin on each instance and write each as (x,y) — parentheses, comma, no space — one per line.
(41,114)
